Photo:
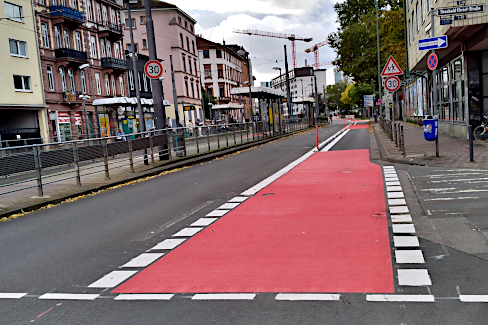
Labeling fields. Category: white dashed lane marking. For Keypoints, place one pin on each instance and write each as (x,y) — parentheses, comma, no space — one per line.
(217,213)
(112,279)
(395,195)
(400,298)
(238,199)
(406,241)
(399,209)
(473,298)
(401,218)
(12,295)
(69,296)
(414,277)
(307,296)
(394,188)
(397,202)
(224,296)
(403,229)
(168,244)
(227,206)
(143,260)
(187,232)
(145,296)
(203,222)
(409,257)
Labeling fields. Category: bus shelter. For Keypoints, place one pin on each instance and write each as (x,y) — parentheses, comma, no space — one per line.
(269,108)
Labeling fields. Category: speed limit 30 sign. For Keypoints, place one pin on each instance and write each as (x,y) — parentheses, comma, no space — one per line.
(392,83)
(153,69)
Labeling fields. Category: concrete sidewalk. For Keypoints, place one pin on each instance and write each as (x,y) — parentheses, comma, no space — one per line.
(453,151)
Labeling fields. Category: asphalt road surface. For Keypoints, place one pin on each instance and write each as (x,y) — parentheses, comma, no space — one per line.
(309,231)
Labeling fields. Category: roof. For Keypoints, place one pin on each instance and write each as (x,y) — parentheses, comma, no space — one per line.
(157,4)
(258,92)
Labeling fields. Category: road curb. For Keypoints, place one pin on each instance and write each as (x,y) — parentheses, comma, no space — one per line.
(182,162)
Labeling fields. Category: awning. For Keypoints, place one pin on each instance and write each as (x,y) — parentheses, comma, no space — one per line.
(228,106)
(258,92)
(125,101)
(303,100)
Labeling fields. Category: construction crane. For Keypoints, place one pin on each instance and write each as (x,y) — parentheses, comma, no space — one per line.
(321,64)
(315,50)
(291,37)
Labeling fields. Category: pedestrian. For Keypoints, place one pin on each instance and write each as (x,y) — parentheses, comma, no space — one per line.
(120,135)
(200,124)
(190,127)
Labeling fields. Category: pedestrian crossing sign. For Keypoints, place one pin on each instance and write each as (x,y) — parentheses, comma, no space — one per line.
(391,68)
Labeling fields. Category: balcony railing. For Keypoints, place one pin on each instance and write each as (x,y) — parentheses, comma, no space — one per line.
(71,54)
(71,96)
(67,13)
(114,63)
(106,26)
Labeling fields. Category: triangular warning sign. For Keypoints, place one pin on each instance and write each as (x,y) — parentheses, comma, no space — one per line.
(391,68)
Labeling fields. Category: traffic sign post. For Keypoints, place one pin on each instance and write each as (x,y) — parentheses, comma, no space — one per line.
(391,68)
(392,83)
(432,61)
(433,43)
(153,69)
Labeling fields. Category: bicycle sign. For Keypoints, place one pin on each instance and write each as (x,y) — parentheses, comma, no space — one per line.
(153,69)
(392,83)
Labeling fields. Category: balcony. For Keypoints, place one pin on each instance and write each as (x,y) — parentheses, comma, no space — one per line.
(114,63)
(110,30)
(72,97)
(70,55)
(66,14)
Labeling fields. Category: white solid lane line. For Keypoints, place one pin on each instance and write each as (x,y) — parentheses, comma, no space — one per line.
(145,296)
(112,279)
(406,241)
(69,296)
(403,229)
(473,298)
(227,206)
(333,143)
(187,232)
(12,295)
(203,222)
(168,244)
(307,296)
(401,218)
(143,260)
(224,296)
(400,298)
(217,213)
(409,257)
(414,277)
(238,199)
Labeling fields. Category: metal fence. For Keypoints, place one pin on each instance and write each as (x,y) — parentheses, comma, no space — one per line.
(394,132)
(73,162)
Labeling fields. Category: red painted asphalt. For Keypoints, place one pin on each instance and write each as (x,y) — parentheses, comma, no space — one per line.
(321,227)
(358,126)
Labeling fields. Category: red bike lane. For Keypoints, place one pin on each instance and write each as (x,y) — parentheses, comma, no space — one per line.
(321,228)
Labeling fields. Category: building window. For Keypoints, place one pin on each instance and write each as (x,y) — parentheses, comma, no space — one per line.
(417,16)
(114,89)
(144,44)
(193,46)
(104,14)
(117,51)
(113,16)
(22,83)
(50,77)
(66,38)
(107,85)
(133,23)
(198,92)
(45,35)
(109,48)
(196,71)
(184,62)
(189,65)
(97,82)
(458,95)
(93,47)
(220,71)
(99,12)
(413,23)
(221,91)
(17,48)
(422,10)
(83,81)
(14,12)
(42,3)
(208,71)
(188,44)
(89,10)
(79,47)
(71,78)
(206,54)
(63,79)
(192,90)
(121,85)
(57,37)
(145,83)
(143,20)
(102,47)
(135,47)
(179,20)
(186,24)
(73,4)
(218,53)
(186,88)
(181,40)
(139,79)
(131,80)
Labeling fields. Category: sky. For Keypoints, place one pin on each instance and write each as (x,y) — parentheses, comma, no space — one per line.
(306,18)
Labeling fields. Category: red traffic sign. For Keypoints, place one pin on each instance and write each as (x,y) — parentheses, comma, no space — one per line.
(391,68)
(392,83)
(432,61)
(153,69)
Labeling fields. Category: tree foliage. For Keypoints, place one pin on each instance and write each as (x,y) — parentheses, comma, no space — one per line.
(358,91)
(345,98)
(206,100)
(334,93)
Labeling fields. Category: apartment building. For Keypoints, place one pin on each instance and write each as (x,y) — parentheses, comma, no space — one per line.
(81,53)
(462,71)
(22,107)
(174,35)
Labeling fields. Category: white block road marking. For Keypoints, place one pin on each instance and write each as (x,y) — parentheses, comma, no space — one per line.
(406,241)
(397,202)
(69,296)
(238,199)
(388,167)
(333,143)
(409,257)
(112,279)
(393,188)
(12,295)
(403,229)
(414,277)
(187,232)
(401,218)
(307,296)
(473,298)
(393,183)
(203,222)
(143,260)
(168,244)
(391,179)
(145,296)
(227,206)
(224,296)
(400,209)
(217,213)
(390,173)
(400,298)
(395,195)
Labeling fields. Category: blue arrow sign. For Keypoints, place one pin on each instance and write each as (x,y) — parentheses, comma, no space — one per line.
(433,43)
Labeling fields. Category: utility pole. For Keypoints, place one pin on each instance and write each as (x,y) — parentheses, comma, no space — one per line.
(378,54)
(175,98)
(434,83)
(288,96)
(142,122)
(316,100)
(157,86)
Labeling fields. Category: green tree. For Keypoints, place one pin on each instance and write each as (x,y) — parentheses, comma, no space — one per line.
(345,98)
(206,100)
(334,93)
(358,91)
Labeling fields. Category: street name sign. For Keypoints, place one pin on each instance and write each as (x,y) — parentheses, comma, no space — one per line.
(368,100)
(461,3)
(433,43)
(445,20)
(392,83)
(460,17)
(460,10)
(153,69)
(391,68)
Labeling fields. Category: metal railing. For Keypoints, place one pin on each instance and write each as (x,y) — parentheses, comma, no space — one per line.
(394,132)
(32,168)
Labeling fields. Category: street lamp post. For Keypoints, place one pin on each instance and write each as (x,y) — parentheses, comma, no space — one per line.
(82,67)
(280,104)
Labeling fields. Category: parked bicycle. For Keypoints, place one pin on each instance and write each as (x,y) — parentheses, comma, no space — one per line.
(481,132)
